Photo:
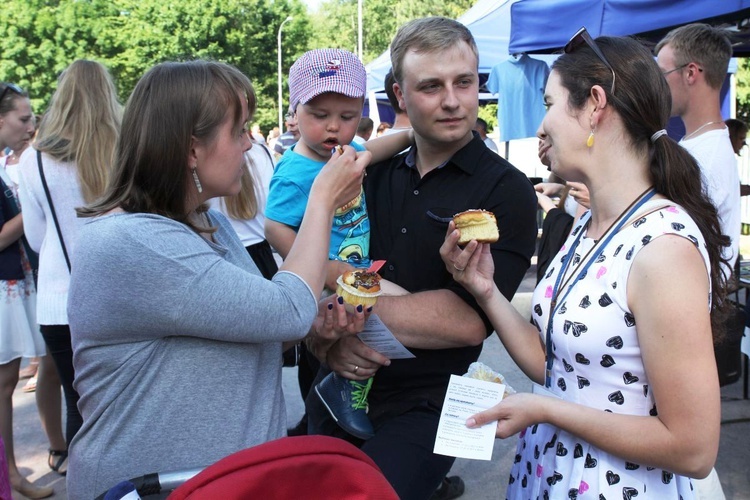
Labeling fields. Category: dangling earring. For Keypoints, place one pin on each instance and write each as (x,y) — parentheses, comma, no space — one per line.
(589,141)
(197,180)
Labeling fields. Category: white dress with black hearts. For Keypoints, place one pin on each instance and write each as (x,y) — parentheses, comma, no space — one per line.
(597,363)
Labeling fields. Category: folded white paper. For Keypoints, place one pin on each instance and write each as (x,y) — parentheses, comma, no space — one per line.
(464,398)
(377,336)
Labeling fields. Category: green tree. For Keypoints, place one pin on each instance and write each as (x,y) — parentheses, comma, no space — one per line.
(129,36)
(336,21)
(743,90)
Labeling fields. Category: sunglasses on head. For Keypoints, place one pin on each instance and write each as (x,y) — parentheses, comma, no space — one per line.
(12,87)
(582,37)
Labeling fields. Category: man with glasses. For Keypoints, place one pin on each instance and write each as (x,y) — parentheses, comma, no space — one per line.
(288,138)
(694,60)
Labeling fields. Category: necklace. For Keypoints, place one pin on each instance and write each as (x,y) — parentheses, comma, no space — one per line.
(588,259)
(694,132)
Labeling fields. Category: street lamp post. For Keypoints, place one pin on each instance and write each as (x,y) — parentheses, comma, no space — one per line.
(281,114)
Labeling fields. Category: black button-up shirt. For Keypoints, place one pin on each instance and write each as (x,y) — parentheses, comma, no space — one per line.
(409,218)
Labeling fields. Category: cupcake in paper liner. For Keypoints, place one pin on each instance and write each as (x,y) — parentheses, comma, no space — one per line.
(480,371)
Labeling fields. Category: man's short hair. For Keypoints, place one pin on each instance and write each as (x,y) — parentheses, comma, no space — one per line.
(705,45)
(365,126)
(481,124)
(389,81)
(428,35)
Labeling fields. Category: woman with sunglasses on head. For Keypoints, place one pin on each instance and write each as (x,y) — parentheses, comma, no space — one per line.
(626,400)
(74,149)
(177,336)
(19,333)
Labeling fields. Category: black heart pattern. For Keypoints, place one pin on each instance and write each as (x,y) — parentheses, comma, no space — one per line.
(580,358)
(576,259)
(601,258)
(639,222)
(645,390)
(629,320)
(549,274)
(536,451)
(524,481)
(545,495)
(693,239)
(605,300)
(612,478)
(602,497)
(653,411)
(551,443)
(617,398)
(561,450)
(576,230)
(607,361)
(614,285)
(511,479)
(517,458)
(568,367)
(677,226)
(590,461)
(629,492)
(615,342)
(573,493)
(583,382)
(585,302)
(538,309)
(528,467)
(629,378)
(617,251)
(575,327)
(666,477)
(534,428)
(554,478)
(631,466)
(629,255)
(578,451)
(563,308)
(646,239)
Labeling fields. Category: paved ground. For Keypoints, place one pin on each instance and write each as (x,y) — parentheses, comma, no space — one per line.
(484,480)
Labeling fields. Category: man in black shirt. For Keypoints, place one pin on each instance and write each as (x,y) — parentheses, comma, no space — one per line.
(410,199)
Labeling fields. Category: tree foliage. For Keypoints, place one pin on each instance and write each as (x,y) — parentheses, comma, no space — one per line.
(336,21)
(129,36)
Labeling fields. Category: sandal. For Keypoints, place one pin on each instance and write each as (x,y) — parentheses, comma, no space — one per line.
(30,385)
(58,461)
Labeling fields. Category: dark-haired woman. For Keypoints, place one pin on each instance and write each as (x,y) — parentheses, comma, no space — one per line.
(177,336)
(19,333)
(621,345)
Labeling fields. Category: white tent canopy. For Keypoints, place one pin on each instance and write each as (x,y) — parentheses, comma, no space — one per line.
(488,21)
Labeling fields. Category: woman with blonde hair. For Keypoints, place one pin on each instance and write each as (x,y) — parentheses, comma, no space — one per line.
(67,167)
(246,210)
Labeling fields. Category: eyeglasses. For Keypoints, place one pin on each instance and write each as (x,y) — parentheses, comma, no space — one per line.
(665,73)
(12,87)
(582,37)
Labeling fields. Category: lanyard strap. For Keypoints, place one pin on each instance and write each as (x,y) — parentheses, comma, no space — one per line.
(555,303)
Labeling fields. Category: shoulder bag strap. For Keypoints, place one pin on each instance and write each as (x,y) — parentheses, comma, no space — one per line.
(52,207)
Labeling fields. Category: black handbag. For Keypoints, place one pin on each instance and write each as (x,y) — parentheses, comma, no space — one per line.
(15,210)
(727,350)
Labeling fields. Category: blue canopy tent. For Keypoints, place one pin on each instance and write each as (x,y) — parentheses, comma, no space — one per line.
(544,26)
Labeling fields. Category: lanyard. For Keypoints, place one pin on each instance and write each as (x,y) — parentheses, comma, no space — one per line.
(555,303)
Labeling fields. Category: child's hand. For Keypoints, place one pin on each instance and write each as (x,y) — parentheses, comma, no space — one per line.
(340,180)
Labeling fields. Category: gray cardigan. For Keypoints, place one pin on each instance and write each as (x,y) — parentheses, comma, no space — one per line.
(177,348)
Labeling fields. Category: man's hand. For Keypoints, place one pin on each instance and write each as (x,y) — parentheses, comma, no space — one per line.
(352,359)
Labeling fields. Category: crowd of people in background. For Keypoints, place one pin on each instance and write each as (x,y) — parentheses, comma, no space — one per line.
(158,259)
